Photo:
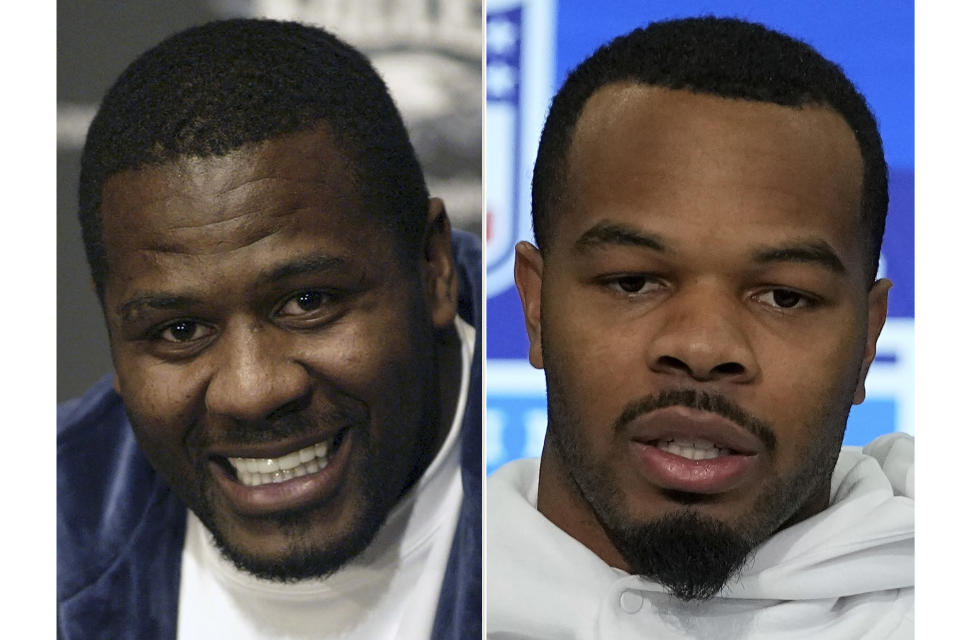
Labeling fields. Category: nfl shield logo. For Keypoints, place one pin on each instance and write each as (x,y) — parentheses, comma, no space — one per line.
(520,37)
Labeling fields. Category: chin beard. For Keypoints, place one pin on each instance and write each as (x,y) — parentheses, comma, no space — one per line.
(305,558)
(692,556)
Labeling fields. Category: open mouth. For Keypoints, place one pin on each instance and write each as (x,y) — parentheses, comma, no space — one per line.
(691,448)
(695,451)
(692,464)
(253,472)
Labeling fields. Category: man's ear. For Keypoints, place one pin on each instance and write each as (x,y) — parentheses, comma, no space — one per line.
(116,385)
(440,274)
(528,274)
(876,317)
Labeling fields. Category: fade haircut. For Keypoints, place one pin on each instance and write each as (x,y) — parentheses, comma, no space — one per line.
(723,57)
(212,89)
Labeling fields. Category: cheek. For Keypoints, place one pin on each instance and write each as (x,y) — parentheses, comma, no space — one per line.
(371,348)
(815,364)
(807,390)
(602,367)
(163,417)
(381,359)
(160,395)
(158,390)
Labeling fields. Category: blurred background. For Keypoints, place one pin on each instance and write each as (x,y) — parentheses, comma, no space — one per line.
(533,44)
(429,53)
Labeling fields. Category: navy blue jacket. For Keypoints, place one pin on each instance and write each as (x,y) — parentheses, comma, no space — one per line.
(120,528)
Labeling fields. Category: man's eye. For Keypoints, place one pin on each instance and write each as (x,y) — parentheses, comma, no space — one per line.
(632,284)
(184,331)
(304,302)
(785,299)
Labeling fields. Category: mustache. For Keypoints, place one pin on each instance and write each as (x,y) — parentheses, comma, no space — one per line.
(701,401)
(293,423)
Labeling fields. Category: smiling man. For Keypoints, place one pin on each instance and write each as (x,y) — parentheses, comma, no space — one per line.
(709,201)
(290,446)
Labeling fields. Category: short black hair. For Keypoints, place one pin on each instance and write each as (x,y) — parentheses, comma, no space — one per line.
(718,56)
(214,88)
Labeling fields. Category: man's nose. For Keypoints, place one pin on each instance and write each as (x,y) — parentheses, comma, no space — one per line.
(703,335)
(255,377)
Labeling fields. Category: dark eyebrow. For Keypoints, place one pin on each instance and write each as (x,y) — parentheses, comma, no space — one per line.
(609,233)
(310,263)
(128,310)
(816,252)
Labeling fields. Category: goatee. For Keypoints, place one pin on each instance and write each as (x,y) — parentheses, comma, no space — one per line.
(692,556)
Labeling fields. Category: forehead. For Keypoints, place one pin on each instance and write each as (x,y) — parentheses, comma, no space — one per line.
(639,151)
(232,197)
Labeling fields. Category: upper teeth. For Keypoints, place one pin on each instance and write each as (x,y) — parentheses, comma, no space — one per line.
(257,471)
(693,449)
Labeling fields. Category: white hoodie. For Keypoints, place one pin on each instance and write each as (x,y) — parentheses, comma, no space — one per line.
(846,573)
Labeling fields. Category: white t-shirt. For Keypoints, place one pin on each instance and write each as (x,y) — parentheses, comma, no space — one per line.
(846,573)
(388,591)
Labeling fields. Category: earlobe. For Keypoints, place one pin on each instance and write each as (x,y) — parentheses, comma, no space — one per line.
(116,385)
(876,317)
(528,274)
(440,273)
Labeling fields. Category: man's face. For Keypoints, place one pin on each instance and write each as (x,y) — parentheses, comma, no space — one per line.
(274,346)
(703,318)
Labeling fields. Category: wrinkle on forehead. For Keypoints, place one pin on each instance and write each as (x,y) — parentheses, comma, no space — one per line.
(220,237)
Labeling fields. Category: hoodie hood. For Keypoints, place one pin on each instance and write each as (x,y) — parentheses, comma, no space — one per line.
(834,553)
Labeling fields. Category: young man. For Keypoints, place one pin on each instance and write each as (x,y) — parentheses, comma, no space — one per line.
(709,201)
(290,446)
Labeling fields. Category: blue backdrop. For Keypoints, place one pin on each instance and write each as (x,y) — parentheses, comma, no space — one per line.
(533,44)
